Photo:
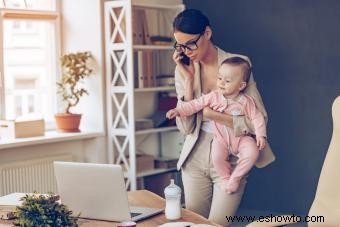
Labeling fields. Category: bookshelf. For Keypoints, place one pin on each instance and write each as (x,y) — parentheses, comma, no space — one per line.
(139,83)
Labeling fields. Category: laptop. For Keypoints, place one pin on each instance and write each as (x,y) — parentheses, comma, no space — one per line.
(97,191)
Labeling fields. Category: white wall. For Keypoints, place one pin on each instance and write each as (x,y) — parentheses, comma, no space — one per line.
(82,31)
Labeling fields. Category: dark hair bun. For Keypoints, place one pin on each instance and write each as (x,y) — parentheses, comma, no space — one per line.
(191,21)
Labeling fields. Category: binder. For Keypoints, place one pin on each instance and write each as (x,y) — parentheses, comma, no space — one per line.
(145,28)
(137,27)
(141,75)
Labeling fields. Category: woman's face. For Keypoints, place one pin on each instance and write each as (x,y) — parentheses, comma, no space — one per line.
(194,46)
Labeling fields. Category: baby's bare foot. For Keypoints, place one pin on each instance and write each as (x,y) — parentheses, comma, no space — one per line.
(224,184)
(232,186)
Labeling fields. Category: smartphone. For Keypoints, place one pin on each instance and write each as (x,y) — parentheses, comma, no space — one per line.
(185,59)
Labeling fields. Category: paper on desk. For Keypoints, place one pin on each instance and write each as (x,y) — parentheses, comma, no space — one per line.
(12,199)
(8,204)
(184,224)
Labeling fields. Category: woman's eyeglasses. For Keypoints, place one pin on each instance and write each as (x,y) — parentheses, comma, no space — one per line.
(189,46)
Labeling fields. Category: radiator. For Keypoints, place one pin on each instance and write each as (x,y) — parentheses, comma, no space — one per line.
(30,175)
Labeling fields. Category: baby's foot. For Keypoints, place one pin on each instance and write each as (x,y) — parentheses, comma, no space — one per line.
(232,186)
(224,184)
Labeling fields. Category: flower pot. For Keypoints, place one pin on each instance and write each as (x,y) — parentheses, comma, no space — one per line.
(67,122)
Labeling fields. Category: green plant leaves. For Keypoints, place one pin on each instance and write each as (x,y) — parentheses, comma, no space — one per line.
(74,69)
(43,211)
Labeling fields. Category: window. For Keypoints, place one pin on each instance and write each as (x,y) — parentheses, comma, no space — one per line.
(29,49)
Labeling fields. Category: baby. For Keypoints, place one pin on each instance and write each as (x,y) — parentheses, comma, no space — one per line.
(232,79)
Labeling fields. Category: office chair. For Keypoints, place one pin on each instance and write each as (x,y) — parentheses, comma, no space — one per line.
(327,198)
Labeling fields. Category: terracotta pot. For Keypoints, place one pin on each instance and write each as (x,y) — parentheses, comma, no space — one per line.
(67,122)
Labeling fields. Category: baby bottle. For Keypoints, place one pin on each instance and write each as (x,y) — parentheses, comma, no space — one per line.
(172,195)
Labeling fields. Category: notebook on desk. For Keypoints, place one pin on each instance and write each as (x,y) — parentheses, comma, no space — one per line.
(97,191)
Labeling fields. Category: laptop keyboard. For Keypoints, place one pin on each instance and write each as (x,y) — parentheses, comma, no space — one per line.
(134,214)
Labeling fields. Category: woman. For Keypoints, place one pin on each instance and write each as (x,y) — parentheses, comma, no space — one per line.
(201,182)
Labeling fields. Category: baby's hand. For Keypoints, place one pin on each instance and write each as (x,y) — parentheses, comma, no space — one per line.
(218,107)
(261,142)
(172,113)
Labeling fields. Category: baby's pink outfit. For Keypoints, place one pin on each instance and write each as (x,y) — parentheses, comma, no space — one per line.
(225,142)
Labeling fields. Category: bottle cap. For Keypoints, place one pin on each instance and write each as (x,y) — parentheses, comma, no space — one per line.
(172,189)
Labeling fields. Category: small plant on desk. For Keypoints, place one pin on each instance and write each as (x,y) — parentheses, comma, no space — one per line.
(43,210)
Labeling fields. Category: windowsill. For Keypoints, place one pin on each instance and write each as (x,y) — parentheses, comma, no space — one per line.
(50,137)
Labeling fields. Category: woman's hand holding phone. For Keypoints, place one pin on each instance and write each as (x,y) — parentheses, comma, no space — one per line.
(185,59)
(187,70)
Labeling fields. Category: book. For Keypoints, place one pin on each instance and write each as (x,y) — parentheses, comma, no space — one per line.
(149,69)
(140,27)
(140,69)
(165,80)
(145,66)
(137,26)
(144,69)
(145,28)
(161,40)
(156,69)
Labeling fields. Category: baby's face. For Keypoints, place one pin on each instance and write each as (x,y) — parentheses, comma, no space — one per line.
(230,79)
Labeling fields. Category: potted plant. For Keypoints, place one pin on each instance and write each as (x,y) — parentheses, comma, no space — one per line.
(43,210)
(74,69)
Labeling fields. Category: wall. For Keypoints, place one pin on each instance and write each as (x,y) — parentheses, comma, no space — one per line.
(82,27)
(86,150)
(295,50)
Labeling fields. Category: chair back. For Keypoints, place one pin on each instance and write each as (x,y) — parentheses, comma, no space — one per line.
(327,198)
